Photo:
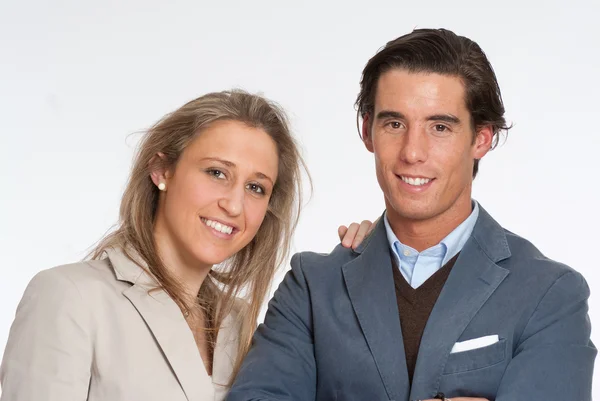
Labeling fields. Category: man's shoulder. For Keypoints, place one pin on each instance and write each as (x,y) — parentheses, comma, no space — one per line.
(528,260)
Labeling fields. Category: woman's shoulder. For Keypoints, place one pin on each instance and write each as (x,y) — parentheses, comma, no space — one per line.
(84,276)
(62,295)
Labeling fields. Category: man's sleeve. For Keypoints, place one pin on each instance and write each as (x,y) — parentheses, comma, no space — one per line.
(281,362)
(554,359)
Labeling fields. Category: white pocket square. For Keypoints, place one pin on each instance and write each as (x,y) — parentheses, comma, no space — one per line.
(475,343)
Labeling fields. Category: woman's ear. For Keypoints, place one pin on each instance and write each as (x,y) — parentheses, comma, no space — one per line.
(158,172)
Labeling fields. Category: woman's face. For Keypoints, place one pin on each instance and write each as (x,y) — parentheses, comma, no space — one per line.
(217,195)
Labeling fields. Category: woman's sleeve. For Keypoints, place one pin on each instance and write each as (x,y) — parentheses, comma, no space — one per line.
(49,350)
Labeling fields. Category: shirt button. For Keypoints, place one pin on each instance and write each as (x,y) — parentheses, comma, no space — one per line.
(406,252)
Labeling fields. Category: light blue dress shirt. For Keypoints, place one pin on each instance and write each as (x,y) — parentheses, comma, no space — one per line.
(418,267)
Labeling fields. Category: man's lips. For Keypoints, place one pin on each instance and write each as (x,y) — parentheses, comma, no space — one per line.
(415,180)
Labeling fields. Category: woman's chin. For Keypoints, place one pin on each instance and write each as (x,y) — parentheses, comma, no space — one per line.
(213,258)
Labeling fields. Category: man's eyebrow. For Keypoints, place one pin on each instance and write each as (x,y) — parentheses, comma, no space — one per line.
(448,118)
(389,114)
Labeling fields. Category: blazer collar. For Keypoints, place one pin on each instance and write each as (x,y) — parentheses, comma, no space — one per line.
(226,350)
(370,283)
(491,237)
(487,232)
(171,331)
(130,267)
(473,279)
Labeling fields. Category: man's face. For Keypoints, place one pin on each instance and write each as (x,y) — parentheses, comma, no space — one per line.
(424,145)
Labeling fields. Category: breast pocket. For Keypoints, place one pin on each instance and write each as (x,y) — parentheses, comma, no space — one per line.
(478,358)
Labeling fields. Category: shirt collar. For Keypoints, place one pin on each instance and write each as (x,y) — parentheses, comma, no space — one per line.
(449,246)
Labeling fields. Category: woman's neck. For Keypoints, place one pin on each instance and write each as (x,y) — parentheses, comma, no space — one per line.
(184,268)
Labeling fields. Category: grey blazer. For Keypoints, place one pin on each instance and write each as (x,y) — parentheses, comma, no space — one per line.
(92,331)
(332,330)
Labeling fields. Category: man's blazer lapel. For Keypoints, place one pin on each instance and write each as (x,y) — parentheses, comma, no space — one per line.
(168,326)
(473,279)
(370,284)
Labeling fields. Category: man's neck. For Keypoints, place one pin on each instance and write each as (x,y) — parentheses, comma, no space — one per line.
(423,234)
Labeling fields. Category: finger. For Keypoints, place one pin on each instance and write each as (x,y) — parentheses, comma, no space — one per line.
(373,225)
(342,231)
(363,230)
(350,235)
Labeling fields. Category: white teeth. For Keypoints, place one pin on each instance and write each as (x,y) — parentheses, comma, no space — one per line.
(415,181)
(218,226)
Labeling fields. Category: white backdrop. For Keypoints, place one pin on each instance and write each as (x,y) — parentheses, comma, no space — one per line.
(78,77)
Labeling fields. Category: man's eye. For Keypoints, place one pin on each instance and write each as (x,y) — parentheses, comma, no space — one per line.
(395,125)
(440,128)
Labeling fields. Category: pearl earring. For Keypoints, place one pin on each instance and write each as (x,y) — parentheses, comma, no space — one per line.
(162,186)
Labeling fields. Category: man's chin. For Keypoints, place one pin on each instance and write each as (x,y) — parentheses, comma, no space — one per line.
(416,213)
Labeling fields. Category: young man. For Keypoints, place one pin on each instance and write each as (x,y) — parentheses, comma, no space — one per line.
(440,301)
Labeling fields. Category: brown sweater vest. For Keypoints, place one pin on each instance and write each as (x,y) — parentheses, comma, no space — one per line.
(414,307)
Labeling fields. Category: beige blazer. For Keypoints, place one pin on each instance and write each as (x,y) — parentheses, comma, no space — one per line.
(92,331)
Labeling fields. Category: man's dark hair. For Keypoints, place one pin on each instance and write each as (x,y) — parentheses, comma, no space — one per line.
(443,52)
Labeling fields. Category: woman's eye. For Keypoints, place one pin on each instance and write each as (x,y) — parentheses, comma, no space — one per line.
(216,173)
(256,188)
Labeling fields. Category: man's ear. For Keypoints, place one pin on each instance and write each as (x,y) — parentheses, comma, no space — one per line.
(483,141)
(367,136)
(158,172)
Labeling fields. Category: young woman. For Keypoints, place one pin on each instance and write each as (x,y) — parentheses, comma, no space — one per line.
(165,307)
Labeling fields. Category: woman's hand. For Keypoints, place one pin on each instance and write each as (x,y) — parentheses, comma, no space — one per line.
(354,234)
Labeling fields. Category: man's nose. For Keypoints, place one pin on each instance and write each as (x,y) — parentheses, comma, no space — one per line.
(414,146)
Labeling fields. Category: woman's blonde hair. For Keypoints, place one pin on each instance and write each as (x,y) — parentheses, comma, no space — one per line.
(249,272)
